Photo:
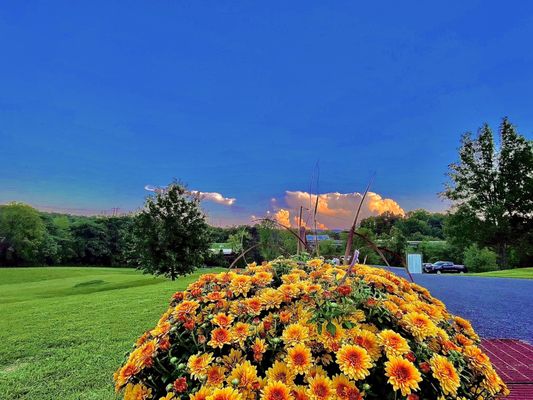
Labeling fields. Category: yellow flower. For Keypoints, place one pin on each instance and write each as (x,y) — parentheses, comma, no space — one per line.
(299,358)
(232,359)
(271,298)
(393,343)
(444,371)
(295,333)
(201,394)
(241,284)
(476,358)
(276,390)
(320,388)
(354,361)
(137,392)
(198,364)
(225,394)
(245,374)
(368,341)
(402,374)
(419,325)
(493,383)
(299,393)
(262,278)
(342,386)
(280,372)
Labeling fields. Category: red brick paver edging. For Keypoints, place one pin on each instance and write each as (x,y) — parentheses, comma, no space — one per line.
(513,359)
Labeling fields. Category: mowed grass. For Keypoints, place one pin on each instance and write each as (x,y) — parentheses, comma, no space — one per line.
(518,273)
(65,330)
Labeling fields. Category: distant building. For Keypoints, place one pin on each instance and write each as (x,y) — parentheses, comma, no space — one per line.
(223,248)
(321,238)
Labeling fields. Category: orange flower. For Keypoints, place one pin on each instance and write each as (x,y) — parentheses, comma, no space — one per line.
(220,337)
(285,316)
(222,320)
(143,356)
(299,393)
(354,361)
(254,305)
(225,394)
(215,375)
(320,388)
(185,309)
(295,333)
(341,386)
(280,372)
(402,374)
(240,332)
(259,347)
(125,373)
(393,343)
(276,390)
(299,358)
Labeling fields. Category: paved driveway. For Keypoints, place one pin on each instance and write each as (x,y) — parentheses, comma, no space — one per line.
(497,307)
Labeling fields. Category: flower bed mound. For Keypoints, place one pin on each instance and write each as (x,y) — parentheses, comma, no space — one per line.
(289,330)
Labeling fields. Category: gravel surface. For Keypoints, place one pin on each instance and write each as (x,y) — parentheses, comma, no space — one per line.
(497,307)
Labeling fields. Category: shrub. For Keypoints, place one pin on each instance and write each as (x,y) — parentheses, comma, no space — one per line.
(294,330)
(480,260)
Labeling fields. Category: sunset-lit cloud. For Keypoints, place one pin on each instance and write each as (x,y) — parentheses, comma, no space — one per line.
(334,210)
(283,217)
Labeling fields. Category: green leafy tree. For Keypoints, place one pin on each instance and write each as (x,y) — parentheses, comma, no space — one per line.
(90,242)
(170,234)
(480,260)
(22,232)
(495,186)
(381,224)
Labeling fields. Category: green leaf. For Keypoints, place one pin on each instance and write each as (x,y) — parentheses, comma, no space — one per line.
(331,328)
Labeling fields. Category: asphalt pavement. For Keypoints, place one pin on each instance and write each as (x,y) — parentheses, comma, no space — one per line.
(497,307)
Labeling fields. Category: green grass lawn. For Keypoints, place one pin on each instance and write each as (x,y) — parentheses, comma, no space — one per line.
(518,273)
(64,331)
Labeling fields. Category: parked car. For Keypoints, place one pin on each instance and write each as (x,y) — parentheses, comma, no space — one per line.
(444,266)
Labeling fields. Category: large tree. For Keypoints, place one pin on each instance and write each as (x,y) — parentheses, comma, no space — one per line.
(22,233)
(495,185)
(170,234)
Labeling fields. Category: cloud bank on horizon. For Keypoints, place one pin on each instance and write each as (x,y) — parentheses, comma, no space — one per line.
(335,210)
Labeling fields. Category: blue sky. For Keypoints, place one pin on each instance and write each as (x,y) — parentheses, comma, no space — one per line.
(243,98)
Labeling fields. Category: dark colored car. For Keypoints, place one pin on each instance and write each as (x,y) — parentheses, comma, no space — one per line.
(444,266)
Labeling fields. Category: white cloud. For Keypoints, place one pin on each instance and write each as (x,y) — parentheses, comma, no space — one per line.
(215,197)
(208,196)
